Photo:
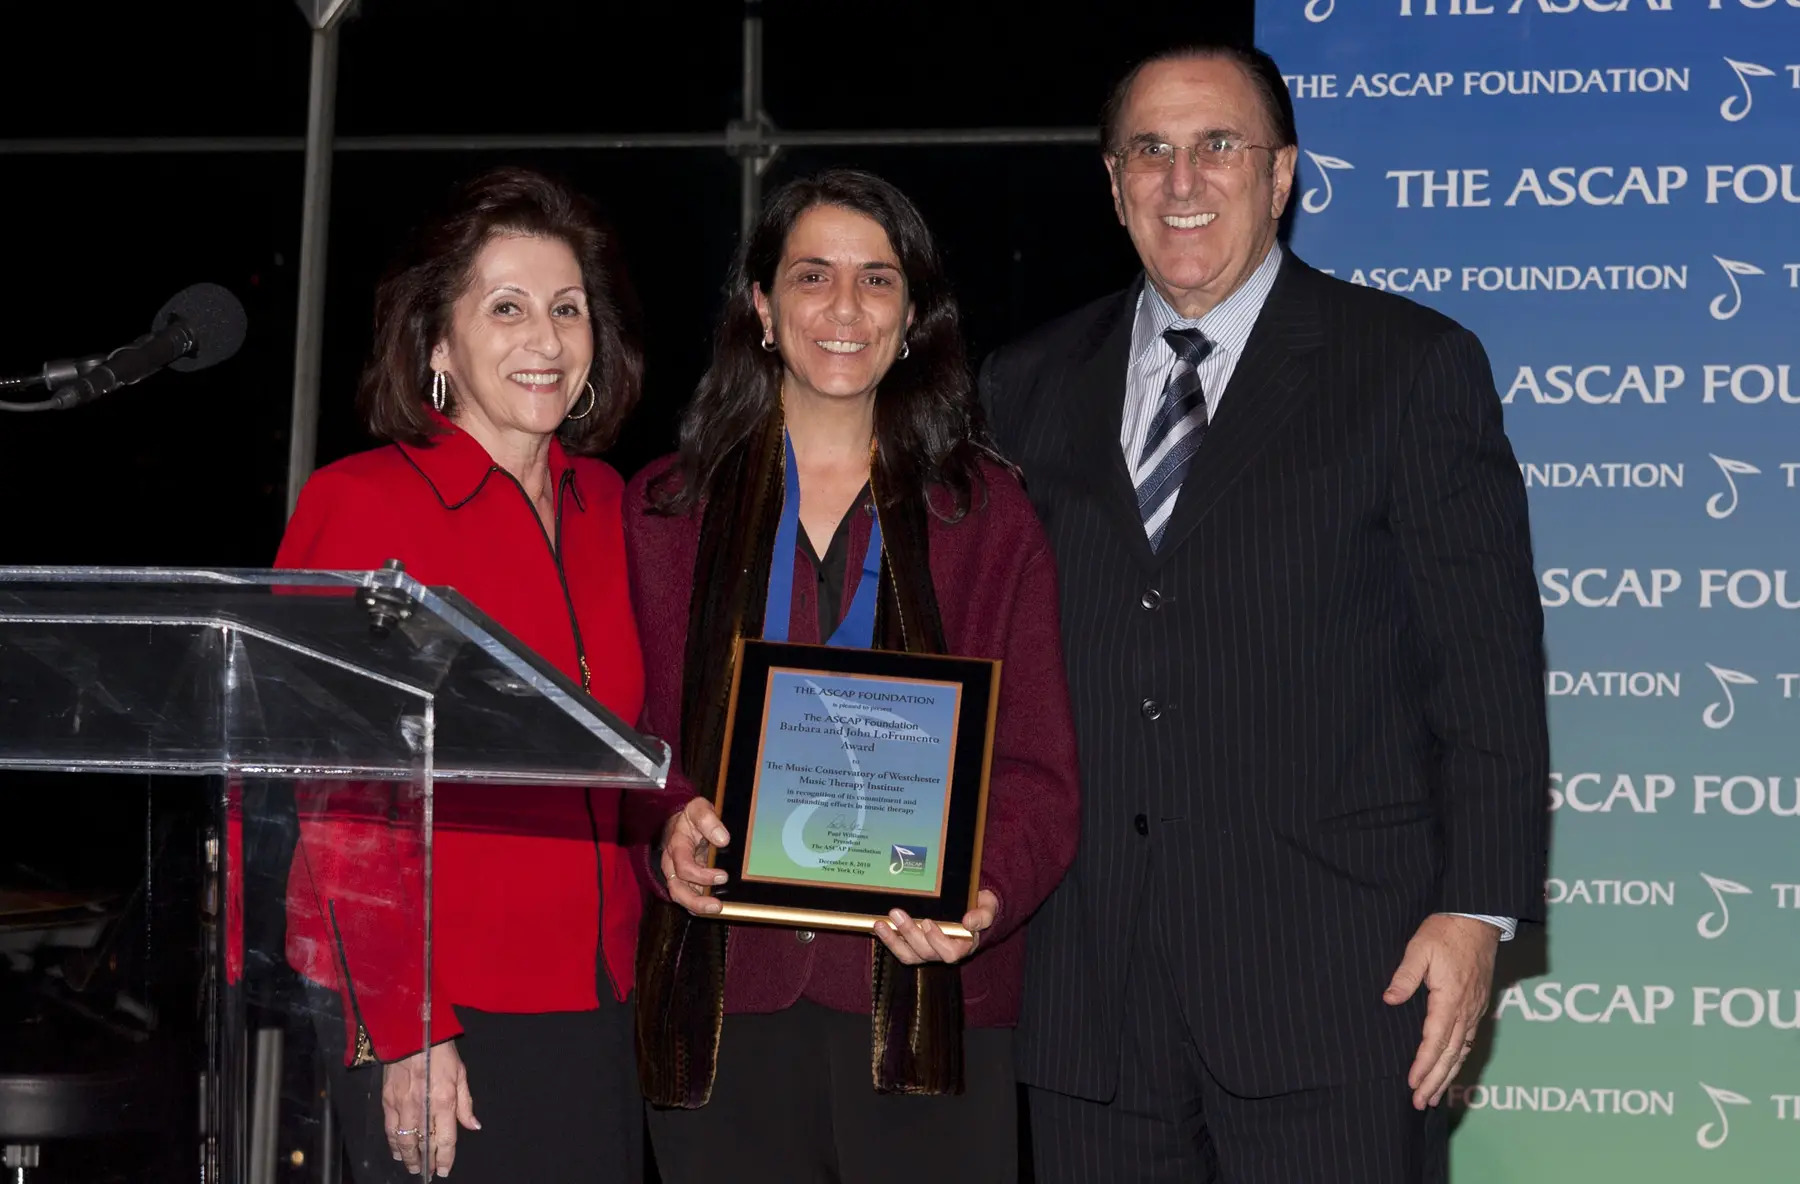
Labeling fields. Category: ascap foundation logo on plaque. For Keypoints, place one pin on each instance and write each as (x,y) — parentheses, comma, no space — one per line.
(906,860)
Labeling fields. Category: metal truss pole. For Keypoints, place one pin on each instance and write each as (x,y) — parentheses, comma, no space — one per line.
(309,332)
(754,140)
(749,136)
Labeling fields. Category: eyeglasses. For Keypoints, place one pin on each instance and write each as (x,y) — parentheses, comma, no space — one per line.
(1214,152)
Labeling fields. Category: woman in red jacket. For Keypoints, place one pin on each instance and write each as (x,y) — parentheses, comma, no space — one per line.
(502,359)
(792,1055)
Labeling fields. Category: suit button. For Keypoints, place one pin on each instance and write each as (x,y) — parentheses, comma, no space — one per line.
(804,936)
(1151,709)
(1151,599)
(1141,824)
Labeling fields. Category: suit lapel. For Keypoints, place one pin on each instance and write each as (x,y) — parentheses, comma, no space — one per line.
(1094,401)
(1270,382)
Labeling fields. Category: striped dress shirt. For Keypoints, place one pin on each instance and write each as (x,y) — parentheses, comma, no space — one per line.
(1227,326)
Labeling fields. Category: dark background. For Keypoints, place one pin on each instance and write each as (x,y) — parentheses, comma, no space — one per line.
(191,469)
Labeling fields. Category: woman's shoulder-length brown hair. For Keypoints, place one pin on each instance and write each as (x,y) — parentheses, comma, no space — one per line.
(414,301)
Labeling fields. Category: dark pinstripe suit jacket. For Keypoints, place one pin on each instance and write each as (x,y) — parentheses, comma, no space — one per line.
(1315,717)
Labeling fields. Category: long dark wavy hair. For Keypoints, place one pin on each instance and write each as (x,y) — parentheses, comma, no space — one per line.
(927,423)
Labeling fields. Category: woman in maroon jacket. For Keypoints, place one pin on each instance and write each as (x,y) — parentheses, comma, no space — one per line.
(788,1055)
(501,359)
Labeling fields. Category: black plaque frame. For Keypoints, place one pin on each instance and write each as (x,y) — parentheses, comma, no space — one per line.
(813,906)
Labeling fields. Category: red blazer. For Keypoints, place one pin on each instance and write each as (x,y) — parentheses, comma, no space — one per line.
(531,889)
(996,589)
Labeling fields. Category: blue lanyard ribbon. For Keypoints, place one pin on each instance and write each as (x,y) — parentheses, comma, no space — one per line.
(857,629)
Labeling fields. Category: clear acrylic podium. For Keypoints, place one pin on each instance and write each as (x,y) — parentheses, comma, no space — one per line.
(338,689)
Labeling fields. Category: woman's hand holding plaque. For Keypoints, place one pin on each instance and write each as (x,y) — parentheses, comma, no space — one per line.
(686,839)
(913,942)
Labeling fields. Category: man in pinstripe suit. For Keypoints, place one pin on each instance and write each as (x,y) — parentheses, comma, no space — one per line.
(1305,650)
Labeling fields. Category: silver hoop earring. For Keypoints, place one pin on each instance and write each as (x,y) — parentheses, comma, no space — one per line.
(440,390)
(768,341)
(593,402)
(905,350)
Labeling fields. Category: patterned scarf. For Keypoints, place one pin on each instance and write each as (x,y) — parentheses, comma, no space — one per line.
(916,1025)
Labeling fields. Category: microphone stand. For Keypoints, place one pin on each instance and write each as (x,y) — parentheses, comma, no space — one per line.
(9,385)
(55,375)
(202,325)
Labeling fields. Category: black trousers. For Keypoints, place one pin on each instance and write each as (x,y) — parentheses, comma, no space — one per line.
(793,1104)
(556,1095)
(1172,1121)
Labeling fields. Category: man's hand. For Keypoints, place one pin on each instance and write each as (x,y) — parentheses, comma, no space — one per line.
(684,842)
(407,1109)
(1454,958)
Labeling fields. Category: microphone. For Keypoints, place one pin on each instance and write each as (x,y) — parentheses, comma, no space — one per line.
(200,326)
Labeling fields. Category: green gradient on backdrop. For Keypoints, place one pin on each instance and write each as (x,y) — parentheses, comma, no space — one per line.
(1671,974)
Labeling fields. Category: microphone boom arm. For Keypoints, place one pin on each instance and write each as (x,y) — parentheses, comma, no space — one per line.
(201,326)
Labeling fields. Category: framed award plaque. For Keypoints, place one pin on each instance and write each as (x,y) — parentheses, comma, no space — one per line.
(854,781)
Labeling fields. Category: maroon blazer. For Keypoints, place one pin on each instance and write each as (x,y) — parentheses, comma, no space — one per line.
(996,590)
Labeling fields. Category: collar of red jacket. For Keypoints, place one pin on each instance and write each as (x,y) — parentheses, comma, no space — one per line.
(458,468)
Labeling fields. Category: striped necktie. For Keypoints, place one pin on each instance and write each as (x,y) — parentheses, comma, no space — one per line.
(1175,433)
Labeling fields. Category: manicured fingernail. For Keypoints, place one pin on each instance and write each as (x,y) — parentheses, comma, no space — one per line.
(897,917)
(720,877)
(926,925)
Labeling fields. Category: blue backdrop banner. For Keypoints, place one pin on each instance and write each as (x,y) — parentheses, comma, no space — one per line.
(1608,193)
